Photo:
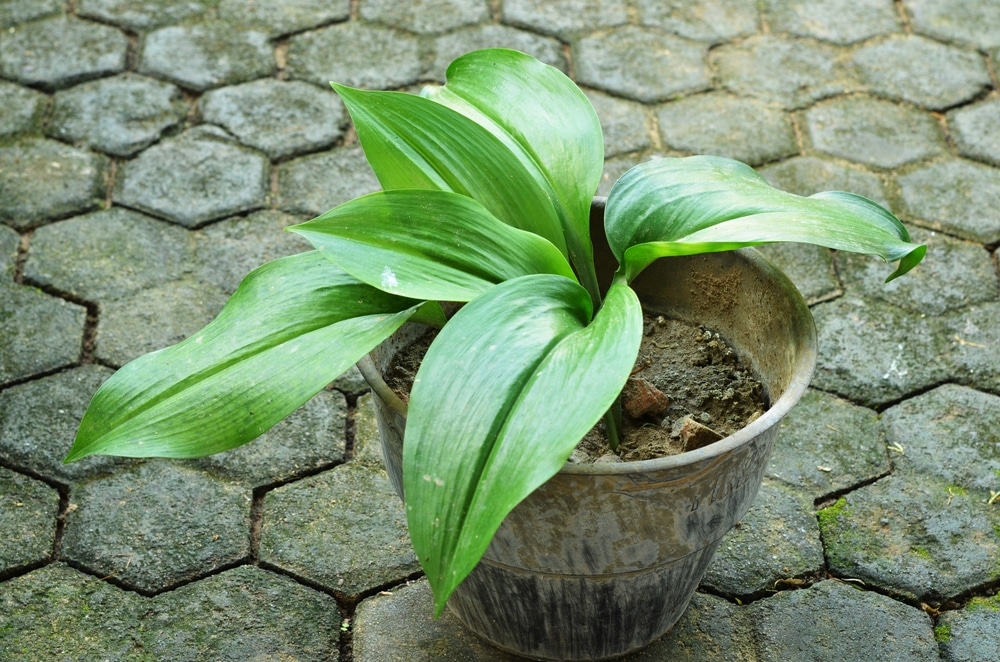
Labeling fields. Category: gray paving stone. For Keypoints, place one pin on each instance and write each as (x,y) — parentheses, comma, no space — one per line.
(792,72)
(450,46)
(13,12)
(203,56)
(809,267)
(617,166)
(44,179)
(711,630)
(157,524)
(367,443)
(834,622)
(27,520)
(38,422)
(107,254)
(645,64)
(976,131)
(197,177)
(351,382)
(923,72)
(969,635)
(806,175)
(725,125)
(874,353)
(242,614)
(152,319)
(343,529)
(280,17)
(22,109)
(355,54)
(58,613)
(714,21)
(425,16)
(957,196)
(225,252)
(975,335)
(827,445)
(920,538)
(975,22)
(314,184)
(279,118)
(777,539)
(38,333)
(873,131)
(625,124)
(143,15)
(839,21)
(564,18)
(119,115)
(9,242)
(310,439)
(58,52)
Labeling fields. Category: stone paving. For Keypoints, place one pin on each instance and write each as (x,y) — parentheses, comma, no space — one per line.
(151,152)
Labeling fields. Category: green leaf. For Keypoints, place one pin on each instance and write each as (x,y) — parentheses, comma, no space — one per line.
(292,326)
(428,244)
(412,142)
(703,204)
(544,119)
(506,391)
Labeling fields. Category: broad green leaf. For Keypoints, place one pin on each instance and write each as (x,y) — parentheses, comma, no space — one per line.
(506,391)
(427,244)
(544,119)
(292,326)
(702,204)
(412,142)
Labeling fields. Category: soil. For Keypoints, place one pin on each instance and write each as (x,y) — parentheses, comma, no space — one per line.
(688,389)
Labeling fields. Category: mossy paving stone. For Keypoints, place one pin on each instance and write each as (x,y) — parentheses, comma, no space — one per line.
(975,337)
(454,44)
(838,21)
(426,16)
(143,15)
(314,184)
(38,333)
(914,536)
(13,12)
(970,634)
(976,130)
(28,510)
(714,21)
(625,124)
(564,18)
(957,196)
(22,109)
(344,529)
(9,242)
(809,267)
(975,22)
(157,524)
(279,17)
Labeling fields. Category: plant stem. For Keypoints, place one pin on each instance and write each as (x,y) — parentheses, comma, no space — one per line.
(611,426)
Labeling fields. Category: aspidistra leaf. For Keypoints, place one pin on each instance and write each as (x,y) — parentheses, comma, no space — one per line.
(429,244)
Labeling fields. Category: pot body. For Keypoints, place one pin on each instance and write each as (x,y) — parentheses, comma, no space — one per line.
(603,559)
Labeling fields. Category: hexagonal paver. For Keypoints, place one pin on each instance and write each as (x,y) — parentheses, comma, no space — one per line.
(921,71)
(107,254)
(564,18)
(714,21)
(344,529)
(954,274)
(426,16)
(157,524)
(194,178)
(43,179)
(875,353)
(970,634)
(355,54)
(314,184)
(975,338)
(13,12)
(59,52)
(277,117)
(9,242)
(873,131)
(839,21)
(204,56)
(151,319)
(144,15)
(976,130)
(625,124)
(809,267)
(958,196)
(38,333)
(644,64)
(27,520)
(828,445)
(119,115)
(721,124)
(975,22)
(22,109)
(806,175)
(920,538)
(38,422)
(450,46)
(279,17)
(792,72)
(777,539)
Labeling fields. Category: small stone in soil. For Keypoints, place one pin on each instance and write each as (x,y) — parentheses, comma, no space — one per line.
(693,434)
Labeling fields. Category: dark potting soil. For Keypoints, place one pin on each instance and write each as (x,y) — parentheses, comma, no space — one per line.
(688,389)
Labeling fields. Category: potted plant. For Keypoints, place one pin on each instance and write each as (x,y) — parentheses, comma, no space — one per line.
(487,203)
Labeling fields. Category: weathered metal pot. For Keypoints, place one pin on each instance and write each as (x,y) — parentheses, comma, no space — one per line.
(603,559)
